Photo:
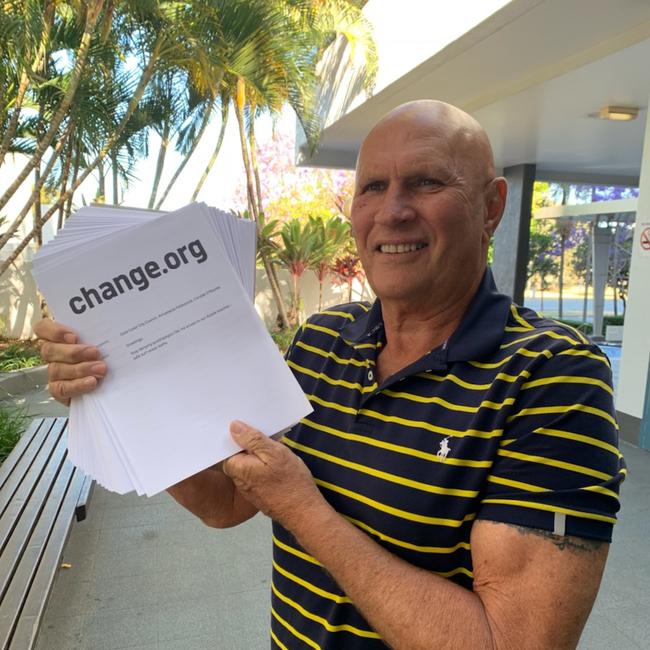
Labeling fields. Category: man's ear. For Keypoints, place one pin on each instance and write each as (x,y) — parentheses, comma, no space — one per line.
(495,203)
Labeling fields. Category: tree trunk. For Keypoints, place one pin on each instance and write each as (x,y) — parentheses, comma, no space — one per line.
(256,172)
(115,176)
(257,196)
(75,176)
(275,290)
(561,278)
(35,193)
(92,15)
(190,153)
(215,152)
(252,205)
(10,132)
(135,100)
(65,172)
(296,296)
(100,196)
(160,163)
(36,208)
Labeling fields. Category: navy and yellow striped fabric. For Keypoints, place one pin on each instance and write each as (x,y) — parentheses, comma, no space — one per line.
(511,420)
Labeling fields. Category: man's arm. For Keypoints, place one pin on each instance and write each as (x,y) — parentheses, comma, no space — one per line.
(531,589)
(75,369)
(213,498)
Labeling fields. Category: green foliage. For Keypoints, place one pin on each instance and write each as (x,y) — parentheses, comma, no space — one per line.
(283,338)
(613,320)
(587,328)
(18,356)
(101,77)
(541,260)
(12,425)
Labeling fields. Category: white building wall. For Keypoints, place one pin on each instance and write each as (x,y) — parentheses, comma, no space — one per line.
(636,333)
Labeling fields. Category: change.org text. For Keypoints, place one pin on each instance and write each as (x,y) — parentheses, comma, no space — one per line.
(139,277)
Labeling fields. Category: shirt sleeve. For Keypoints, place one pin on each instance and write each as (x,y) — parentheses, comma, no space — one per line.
(558,467)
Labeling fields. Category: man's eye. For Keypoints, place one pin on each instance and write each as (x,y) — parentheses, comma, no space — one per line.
(426,181)
(373,186)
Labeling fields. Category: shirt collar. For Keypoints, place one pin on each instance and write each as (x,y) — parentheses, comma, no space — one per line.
(479,333)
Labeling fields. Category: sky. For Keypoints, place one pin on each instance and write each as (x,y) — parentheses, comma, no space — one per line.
(220,188)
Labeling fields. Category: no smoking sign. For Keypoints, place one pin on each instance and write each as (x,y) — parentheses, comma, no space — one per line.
(645,240)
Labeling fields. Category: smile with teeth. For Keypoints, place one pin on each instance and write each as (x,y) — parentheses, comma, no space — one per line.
(400,248)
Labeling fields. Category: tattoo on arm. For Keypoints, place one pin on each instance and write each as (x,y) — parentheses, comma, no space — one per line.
(562,541)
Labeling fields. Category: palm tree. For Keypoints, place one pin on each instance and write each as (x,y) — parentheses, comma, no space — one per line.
(297,254)
(93,10)
(217,148)
(163,36)
(190,135)
(330,236)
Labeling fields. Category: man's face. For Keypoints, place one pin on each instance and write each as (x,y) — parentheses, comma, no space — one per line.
(419,214)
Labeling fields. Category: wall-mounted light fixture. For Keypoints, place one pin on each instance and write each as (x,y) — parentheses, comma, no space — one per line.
(619,113)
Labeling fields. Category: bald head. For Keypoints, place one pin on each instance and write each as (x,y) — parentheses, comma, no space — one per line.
(466,138)
(426,203)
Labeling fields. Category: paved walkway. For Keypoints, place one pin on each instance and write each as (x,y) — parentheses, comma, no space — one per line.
(145,575)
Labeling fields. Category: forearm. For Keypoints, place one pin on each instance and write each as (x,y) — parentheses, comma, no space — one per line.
(412,609)
(213,498)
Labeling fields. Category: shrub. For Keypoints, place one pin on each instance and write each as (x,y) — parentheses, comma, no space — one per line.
(12,425)
(585,328)
(613,320)
(17,356)
(283,338)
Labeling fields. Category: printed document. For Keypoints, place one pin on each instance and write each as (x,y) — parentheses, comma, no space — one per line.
(167,298)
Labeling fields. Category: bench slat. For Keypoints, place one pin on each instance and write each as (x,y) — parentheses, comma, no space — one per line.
(30,496)
(35,604)
(41,425)
(40,560)
(35,507)
(16,489)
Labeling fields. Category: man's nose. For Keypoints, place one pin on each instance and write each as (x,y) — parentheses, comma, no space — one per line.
(397,207)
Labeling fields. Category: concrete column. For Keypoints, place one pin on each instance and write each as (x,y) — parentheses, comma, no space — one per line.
(513,234)
(636,338)
(601,241)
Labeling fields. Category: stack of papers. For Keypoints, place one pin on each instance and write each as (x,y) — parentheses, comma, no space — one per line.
(168,299)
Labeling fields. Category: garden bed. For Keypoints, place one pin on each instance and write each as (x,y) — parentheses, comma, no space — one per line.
(19,355)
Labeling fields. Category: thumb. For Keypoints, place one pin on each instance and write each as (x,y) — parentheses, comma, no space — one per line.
(248,438)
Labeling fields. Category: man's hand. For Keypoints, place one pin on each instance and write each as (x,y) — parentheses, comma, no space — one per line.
(272,477)
(73,368)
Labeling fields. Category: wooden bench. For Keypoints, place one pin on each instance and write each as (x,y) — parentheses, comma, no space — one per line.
(40,494)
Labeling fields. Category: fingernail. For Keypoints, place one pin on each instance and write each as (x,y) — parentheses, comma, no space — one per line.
(98,368)
(92,353)
(69,338)
(89,382)
(237,426)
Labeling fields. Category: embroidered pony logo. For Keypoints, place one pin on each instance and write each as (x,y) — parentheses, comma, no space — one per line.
(444,449)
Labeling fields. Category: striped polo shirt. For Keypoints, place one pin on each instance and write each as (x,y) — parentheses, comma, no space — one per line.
(512,420)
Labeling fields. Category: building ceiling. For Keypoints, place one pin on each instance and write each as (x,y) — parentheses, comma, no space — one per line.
(532,74)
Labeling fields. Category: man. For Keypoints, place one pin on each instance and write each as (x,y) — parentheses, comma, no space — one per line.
(456,485)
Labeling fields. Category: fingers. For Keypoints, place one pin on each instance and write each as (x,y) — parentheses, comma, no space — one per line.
(250,439)
(50,330)
(69,353)
(64,390)
(73,368)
